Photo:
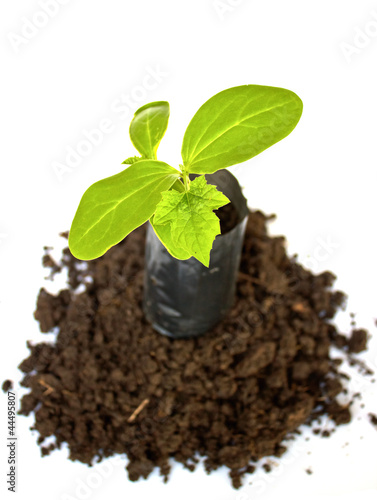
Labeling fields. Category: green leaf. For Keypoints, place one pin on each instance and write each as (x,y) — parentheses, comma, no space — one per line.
(148,127)
(132,160)
(237,124)
(163,231)
(113,207)
(192,224)
(178,186)
(164,234)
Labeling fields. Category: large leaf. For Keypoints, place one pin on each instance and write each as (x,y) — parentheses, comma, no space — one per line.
(148,127)
(237,124)
(191,222)
(113,207)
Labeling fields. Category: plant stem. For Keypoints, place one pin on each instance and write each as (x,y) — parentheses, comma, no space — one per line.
(186,178)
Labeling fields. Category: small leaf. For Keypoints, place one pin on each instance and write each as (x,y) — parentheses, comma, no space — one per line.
(148,127)
(237,124)
(192,224)
(132,160)
(113,207)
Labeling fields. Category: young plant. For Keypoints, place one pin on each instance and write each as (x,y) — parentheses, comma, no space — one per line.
(231,127)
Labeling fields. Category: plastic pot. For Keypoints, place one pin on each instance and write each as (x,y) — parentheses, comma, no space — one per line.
(183,298)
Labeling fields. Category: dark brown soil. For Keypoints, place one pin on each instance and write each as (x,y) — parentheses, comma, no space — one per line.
(111,385)
(373,418)
(7,384)
(357,342)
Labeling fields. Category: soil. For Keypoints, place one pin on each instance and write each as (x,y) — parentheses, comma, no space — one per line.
(109,384)
(373,419)
(7,384)
(357,342)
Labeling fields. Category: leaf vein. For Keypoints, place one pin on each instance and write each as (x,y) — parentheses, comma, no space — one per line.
(196,154)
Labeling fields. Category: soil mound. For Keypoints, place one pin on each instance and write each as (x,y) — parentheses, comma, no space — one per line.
(110,384)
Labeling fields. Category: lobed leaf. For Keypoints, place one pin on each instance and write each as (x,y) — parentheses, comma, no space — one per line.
(163,231)
(131,160)
(237,124)
(191,223)
(113,207)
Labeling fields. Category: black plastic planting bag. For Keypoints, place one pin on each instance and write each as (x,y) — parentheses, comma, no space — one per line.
(183,298)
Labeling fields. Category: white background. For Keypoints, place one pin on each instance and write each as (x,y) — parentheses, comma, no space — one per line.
(88,61)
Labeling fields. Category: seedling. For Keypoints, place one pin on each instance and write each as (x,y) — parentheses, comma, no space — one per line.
(231,127)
